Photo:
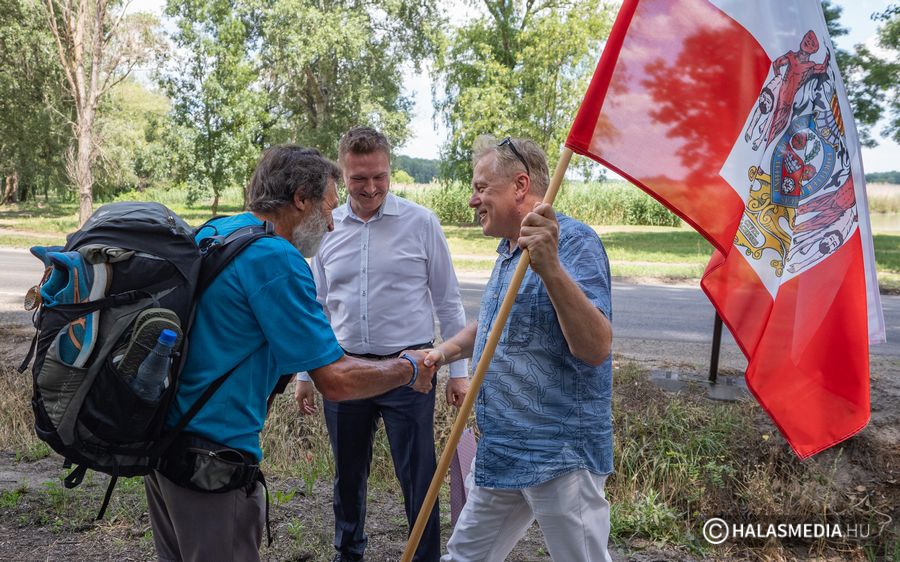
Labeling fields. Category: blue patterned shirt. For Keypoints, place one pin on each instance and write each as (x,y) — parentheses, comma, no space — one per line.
(541,411)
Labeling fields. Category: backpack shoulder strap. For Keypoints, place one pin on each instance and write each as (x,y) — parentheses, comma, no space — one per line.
(216,255)
(219,251)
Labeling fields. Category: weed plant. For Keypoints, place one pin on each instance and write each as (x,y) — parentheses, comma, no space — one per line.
(679,460)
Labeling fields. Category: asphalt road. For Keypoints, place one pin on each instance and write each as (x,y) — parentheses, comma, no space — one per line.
(659,324)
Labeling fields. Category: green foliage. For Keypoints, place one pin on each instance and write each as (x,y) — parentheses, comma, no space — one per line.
(520,70)
(884,177)
(593,203)
(128,126)
(219,111)
(401,177)
(282,497)
(647,516)
(672,459)
(872,79)
(449,202)
(887,252)
(250,73)
(421,169)
(33,452)
(33,116)
(333,64)
(612,203)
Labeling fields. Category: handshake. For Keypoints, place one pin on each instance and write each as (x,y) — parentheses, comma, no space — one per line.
(427,363)
(350,378)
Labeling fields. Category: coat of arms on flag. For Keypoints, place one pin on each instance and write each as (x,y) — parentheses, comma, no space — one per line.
(753,142)
(802,206)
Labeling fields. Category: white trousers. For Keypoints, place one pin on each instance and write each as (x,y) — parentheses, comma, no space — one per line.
(571,510)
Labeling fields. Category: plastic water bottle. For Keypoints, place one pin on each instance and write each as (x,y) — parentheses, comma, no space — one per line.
(153,372)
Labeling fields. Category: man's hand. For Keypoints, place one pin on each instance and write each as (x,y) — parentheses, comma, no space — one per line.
(540,236)
(457,388)
(305,395)
(423,382)
(435,358)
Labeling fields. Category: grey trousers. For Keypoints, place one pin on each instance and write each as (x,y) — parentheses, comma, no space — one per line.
(191,526)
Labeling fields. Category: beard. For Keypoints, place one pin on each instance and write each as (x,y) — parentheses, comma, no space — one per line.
(307,235)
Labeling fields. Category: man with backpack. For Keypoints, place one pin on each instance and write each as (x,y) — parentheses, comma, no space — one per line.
(258,320)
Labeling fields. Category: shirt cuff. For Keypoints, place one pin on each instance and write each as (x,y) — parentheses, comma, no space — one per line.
(303,376)
(459,369)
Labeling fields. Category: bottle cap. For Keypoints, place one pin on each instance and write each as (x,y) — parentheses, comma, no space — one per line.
(168,338)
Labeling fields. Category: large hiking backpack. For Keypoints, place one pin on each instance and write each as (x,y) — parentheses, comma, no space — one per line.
(132,265)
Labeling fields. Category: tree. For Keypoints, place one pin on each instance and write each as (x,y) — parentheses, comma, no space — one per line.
(32,123)
(333,64)
(884,177)
(219,110)
(422,170)
(97,48)
(873,81)
(126,124)
(256,72)
(521,69)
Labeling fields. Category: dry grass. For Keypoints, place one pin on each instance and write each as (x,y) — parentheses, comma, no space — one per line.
(883,197)
(16,419)
(298,446)
(679,460)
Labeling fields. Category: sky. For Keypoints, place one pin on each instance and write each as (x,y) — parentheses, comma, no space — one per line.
(428,132)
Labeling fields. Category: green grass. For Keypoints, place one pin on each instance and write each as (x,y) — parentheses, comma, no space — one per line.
(28,240)
(887,261)
(887,252)
(672,253)
(635,251)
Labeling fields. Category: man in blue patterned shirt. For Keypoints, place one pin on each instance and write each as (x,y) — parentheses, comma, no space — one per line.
(544,408)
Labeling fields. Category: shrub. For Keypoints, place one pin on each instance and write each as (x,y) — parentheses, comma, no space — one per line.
(402,178)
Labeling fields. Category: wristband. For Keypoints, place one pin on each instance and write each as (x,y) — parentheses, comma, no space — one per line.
(415,367)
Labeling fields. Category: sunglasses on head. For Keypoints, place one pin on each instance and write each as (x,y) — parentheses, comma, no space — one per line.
(508,142)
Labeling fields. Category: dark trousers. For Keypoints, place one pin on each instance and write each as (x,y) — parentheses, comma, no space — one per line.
(191,526)
(409,423)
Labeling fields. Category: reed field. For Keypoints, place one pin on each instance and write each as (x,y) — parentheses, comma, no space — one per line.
(593,203)
(884,198)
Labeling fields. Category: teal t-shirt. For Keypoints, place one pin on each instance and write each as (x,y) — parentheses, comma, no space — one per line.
(259,316)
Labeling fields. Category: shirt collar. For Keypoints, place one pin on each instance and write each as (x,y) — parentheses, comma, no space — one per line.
(390,206)
(503,249)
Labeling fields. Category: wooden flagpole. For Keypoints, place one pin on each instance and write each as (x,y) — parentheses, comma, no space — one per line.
(460,424)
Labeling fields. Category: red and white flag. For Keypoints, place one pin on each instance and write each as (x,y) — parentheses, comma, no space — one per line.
(733,115)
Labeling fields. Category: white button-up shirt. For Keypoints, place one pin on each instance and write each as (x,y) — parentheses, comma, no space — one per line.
(382,281)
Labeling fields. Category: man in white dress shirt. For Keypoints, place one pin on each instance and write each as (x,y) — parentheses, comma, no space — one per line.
(381,275)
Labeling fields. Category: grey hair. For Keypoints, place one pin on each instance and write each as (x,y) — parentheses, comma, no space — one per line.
(363,140)
(285,169)
(507,162)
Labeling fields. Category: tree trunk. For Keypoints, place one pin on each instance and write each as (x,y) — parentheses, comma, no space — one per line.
(82,174)
(12,188)
(215,203)
(80,43)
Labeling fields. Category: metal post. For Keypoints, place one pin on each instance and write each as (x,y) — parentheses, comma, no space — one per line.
(716,344)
